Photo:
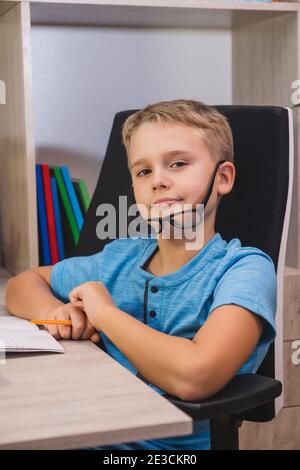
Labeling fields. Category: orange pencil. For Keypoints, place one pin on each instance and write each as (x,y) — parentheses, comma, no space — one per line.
(52,322)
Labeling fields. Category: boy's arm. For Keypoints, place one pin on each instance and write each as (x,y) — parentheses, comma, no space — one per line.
(28,295)
(191,370)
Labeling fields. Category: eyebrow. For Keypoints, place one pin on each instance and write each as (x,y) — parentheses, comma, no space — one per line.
(171,153)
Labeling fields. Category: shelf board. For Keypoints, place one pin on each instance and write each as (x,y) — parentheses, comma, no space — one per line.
(156,13)
(200,4)
(6,6)
(290,271)
(152,13)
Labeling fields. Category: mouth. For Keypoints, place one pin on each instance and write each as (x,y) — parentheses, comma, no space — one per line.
(168,202)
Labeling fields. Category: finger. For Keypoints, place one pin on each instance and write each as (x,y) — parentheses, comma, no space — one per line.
(65,331)
(53,330)
(89,330)
(78,304)
(95,338)
(74,295)
(78,322)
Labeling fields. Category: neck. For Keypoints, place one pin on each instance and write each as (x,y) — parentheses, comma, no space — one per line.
(173,254)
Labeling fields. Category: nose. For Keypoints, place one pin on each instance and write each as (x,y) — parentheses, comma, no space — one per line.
(160,180)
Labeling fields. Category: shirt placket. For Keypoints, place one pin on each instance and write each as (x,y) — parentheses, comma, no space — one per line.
(152,314)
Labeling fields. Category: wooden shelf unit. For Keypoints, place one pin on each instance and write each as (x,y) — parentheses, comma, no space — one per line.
(265,62)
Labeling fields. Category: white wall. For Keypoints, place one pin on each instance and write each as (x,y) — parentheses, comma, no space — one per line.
(83,76)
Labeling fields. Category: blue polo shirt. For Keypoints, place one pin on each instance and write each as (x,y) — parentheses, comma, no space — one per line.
(177,303)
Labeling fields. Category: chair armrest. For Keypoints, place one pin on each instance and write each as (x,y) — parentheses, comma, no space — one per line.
(243,392)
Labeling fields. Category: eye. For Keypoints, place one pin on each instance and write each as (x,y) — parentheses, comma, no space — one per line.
(139,173)
(179,162)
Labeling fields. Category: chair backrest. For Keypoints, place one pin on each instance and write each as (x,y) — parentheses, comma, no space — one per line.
(256,211)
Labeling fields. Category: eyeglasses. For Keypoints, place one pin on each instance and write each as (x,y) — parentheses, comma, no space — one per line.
(186,219)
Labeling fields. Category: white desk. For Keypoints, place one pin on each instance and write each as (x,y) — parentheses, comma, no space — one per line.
(78,399)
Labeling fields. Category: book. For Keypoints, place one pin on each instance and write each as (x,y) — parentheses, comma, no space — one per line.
(68,219)
(44,243)
(50,213)
(82,194)
(72,197)
(59,233)
(19,335)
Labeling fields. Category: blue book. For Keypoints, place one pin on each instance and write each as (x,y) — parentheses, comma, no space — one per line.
(42,217)
(72,196)
(59,234)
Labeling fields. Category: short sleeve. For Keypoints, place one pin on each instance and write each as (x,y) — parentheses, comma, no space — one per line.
(251,282)
(69,273)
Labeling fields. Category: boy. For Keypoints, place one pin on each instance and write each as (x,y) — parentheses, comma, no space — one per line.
(185,321)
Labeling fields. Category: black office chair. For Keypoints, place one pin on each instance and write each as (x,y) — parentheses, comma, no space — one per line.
(257,212)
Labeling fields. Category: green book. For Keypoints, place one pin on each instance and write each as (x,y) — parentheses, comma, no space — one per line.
(82,194)
(68,212)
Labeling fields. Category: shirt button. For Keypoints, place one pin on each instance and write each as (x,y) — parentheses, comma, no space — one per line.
(154,289)
(152,314)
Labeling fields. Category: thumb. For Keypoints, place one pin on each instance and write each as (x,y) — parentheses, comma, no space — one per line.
(79,304)
(74,295)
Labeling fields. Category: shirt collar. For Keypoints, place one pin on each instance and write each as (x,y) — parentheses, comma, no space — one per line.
(211,249)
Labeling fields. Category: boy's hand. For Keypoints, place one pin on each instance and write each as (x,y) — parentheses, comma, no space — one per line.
(81,327)
(93,298)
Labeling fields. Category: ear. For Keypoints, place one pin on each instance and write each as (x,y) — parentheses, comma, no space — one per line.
(226,177)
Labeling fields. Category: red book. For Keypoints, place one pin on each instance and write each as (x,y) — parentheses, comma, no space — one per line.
(50,214)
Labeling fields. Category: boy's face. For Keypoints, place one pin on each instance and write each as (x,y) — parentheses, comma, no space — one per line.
(176,165)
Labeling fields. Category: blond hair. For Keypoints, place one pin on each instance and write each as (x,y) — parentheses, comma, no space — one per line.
(215,129)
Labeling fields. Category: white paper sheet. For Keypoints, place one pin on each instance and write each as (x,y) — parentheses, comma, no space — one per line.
(19,335)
